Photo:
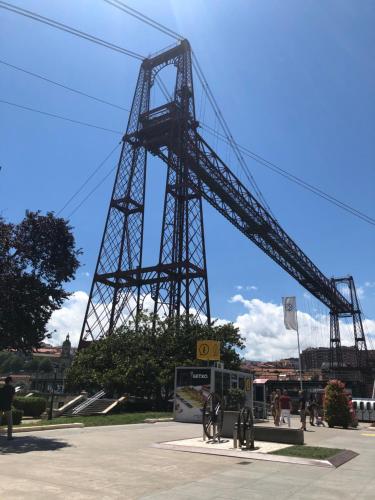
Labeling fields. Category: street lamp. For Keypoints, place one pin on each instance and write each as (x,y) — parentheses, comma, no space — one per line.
(55,367)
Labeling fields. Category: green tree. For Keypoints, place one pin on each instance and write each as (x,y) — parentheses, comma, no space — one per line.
(4,356)
(32,365)
(13,364)
(37,256)
(336,405)
(45,365)
(142,361)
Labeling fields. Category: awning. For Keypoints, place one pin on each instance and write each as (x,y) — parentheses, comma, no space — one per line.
(261,380)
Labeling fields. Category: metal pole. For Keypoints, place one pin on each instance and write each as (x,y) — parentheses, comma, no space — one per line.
(50,414)
(299,358)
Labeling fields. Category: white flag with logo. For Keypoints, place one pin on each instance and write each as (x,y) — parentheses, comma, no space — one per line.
(290,313)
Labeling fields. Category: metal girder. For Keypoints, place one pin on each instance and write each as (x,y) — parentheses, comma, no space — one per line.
(224,191)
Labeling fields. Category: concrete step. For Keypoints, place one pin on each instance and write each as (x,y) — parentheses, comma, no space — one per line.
(94,408)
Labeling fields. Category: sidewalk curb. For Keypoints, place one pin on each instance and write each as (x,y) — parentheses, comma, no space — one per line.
(32,428)
(156,420)
(332,462)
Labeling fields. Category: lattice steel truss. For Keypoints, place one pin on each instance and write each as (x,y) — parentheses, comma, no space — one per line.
(178,283)
(336,357)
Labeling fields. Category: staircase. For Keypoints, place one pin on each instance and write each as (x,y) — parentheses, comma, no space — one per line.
(95,405)
(95,408)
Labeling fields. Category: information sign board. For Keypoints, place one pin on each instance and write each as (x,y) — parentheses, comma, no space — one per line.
(208,350)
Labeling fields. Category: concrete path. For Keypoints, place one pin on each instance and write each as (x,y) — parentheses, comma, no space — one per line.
(118,462)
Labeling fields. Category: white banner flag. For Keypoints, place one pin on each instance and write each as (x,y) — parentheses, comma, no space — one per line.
(290,313)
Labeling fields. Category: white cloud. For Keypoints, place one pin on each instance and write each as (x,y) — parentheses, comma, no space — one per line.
(247,287)
(86,274)
(69,319)
(261,324)
(360,292)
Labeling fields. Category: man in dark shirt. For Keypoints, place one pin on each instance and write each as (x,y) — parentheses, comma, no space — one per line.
(302,409)
(6,398)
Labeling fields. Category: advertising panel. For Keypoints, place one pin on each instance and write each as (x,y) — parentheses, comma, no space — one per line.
(193,385)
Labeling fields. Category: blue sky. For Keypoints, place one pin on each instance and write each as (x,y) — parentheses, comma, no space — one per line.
(295,83)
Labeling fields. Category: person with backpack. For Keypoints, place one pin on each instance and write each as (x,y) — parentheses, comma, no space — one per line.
(6,398)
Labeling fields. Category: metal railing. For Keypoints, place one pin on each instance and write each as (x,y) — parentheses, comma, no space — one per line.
(88,402)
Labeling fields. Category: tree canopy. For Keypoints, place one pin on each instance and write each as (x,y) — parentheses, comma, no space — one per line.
(37,256)
(142,361)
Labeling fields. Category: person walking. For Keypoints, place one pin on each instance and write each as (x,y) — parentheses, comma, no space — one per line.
(302,409)
(312,407)
(277,408)
(273,410)
(6,398)
(286,407)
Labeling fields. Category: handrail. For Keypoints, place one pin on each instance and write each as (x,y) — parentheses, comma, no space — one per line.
(88,402)
(69,404)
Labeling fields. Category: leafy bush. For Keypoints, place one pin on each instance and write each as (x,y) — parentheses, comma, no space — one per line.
(235,399)
(129,361)
(17,417)
(133,405)
(31,407)
(336,407)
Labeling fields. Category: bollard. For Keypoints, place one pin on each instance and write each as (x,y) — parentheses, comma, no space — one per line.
(252,447)
(235,436)
(247,438)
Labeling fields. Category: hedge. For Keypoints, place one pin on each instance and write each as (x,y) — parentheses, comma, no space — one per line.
(133,405)
(31,407)
(17,417)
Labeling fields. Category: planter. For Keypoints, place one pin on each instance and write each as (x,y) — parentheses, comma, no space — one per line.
(263,433)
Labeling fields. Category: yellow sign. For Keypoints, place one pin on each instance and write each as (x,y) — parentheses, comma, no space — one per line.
(248,384)
(208,350)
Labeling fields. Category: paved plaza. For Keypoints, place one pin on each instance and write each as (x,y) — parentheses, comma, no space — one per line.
(119,462)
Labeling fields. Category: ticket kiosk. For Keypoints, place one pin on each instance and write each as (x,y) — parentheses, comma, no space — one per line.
(193,385)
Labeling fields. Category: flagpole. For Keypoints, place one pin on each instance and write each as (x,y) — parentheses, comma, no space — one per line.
(291,323)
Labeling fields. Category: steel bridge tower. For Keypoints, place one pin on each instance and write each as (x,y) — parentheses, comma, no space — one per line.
(178,283)
(360,347)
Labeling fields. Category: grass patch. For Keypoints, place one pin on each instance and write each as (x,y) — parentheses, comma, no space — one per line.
(302,451)
(97,420)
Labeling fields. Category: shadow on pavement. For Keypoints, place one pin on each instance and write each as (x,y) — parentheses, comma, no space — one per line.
(25,444)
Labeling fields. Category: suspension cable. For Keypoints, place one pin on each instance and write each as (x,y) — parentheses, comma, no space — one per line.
(68,29)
